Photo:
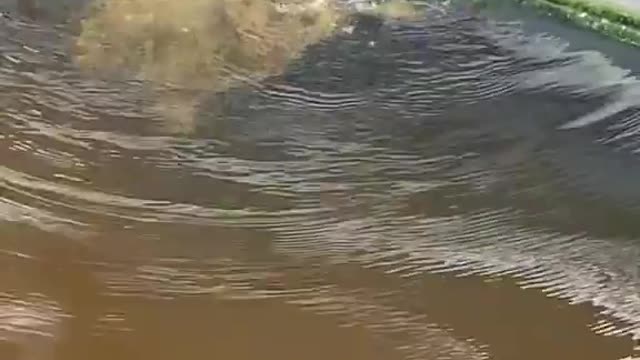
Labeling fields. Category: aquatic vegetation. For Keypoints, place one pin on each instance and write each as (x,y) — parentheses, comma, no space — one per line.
(211,45)
(396,9)
(201,43)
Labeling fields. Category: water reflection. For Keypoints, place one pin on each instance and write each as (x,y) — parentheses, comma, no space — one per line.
(332,190)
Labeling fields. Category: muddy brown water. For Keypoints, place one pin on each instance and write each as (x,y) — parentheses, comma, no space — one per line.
(450,188)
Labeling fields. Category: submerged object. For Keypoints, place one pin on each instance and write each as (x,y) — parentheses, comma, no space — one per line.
(212,45)
(200,44)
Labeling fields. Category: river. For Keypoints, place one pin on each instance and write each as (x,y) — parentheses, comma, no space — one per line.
(461,186)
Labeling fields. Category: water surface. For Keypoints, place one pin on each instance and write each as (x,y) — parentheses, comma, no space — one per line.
(450,188)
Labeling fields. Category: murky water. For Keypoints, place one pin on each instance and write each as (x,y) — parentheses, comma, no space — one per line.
(445,188)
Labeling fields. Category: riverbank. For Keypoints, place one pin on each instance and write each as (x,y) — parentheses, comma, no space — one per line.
(619,19)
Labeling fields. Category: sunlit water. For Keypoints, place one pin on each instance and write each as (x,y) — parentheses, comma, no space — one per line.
(381,199)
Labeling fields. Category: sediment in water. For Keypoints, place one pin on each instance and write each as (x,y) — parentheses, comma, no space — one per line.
(211,45)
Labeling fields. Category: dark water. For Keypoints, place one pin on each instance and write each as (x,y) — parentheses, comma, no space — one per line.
(453,188)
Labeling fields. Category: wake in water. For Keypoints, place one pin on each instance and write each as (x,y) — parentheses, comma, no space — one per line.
(435,150)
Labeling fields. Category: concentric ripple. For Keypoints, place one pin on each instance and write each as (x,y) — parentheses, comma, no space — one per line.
(453,144)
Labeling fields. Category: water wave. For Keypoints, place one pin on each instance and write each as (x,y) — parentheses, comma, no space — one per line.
(450,145)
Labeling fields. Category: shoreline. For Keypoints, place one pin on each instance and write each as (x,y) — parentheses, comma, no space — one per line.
(617,19)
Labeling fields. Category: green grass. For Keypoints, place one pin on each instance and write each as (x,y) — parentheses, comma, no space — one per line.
(601,9)
(602,16)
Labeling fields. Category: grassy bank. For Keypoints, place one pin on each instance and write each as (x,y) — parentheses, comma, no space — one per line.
(608,17)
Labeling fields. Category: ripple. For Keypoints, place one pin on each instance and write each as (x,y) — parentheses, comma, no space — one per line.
(413,335)
(453,145)
(32,323)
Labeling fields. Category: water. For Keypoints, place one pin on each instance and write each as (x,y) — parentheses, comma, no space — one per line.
(450,188)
